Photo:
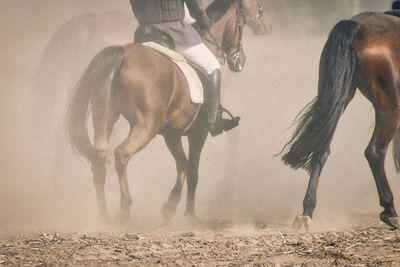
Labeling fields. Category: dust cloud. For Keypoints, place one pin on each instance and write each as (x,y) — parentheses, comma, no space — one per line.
(42,187)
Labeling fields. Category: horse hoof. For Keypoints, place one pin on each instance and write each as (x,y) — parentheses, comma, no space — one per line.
(167,212)
(391,221)
(302,222)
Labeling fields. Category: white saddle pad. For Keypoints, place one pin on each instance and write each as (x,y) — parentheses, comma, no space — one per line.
(193,80)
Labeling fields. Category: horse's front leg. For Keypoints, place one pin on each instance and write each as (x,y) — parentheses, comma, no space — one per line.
(174,143)
(196,143)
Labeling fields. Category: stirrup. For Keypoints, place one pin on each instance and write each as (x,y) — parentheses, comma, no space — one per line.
(222,124)
(232,122)
(229,124)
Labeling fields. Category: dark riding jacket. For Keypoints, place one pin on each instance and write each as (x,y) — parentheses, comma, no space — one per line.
(161,11)
(167,17)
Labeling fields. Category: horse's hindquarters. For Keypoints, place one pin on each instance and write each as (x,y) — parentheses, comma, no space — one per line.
(154,88)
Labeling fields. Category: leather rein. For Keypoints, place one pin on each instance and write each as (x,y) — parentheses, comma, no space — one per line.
(235,53)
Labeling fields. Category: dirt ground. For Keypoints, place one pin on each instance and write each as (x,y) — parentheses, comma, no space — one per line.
(373,245)
(41,225)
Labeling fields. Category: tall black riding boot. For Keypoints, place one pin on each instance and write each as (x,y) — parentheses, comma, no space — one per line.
(213,94)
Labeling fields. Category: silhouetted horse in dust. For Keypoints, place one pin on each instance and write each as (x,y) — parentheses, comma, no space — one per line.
(63,60)
(152,94)
(66,55)
(363,53)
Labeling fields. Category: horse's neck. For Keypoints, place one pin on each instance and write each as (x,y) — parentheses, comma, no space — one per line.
(219,31)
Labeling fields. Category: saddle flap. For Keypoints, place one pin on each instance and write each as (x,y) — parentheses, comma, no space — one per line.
(192,77)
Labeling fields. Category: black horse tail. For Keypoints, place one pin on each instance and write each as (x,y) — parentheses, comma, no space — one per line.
(99,71)
(319,118)
(396,150)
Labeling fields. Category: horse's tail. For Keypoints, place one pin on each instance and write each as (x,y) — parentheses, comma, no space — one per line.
(319,119)
(98,73)
(396,150)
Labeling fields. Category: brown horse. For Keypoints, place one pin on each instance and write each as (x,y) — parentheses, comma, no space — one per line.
(152,94)
(64,59)
(362,53)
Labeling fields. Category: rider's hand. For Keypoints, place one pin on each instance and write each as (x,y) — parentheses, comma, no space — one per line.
(205,22)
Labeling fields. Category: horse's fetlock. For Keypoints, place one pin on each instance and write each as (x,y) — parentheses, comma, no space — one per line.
(387,202)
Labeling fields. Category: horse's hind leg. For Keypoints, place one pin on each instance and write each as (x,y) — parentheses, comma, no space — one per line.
(310,199)
(387,122)
(139,136)
(102,128)
(196,143)
(174,143)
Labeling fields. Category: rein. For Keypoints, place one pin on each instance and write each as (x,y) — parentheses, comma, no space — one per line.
(234,54)
(258,19)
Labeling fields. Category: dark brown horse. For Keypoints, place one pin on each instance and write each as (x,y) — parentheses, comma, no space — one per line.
(152,94)
(362,53)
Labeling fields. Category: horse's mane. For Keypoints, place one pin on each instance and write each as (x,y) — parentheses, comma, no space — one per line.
(217,9)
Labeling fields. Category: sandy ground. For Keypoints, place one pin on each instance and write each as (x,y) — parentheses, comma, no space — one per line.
(239,178)
(239,246)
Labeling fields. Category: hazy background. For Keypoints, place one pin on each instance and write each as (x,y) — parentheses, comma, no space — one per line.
(240,180)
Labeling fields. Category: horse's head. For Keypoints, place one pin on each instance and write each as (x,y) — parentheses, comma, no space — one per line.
(225,35)
(232,45)
(255,17)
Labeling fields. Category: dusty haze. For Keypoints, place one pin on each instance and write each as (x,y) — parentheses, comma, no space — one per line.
(240,179)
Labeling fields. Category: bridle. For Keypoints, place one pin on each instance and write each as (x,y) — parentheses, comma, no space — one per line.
(233,55)
(257,20)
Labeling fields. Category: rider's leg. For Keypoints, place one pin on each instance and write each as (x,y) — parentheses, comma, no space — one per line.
(200,56)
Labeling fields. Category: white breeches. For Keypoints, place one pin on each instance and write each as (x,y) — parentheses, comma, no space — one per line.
(200,56)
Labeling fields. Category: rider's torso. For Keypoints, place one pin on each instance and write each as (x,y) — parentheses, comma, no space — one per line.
(158,11)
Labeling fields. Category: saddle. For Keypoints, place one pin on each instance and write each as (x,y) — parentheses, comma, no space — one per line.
(152,34)
(164,44)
